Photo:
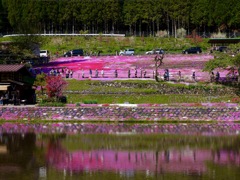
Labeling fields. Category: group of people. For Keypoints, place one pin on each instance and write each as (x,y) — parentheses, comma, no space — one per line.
(166,75)
(6,97)
(214,78)
(143,73)
(67,73)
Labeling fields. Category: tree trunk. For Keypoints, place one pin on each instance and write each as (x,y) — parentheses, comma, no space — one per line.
(158,25)
(73,27)
(113,28)
(153,28)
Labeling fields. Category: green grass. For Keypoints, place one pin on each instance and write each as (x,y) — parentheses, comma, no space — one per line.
(135,92)
(109,45)
(140,99)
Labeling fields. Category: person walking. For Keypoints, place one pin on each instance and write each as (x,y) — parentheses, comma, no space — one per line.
(129,73)
(90,73)
(194,76)
(212,77)
(102,73)
(116,73)
(217,76)
(96,73)
(136,73)
(179,75)
(82,73)
(145,74)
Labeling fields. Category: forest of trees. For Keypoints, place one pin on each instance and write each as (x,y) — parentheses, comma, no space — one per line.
(130,17)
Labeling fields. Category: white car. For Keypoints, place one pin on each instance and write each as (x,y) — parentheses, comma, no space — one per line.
(44,53)
(127,52)
(155,51)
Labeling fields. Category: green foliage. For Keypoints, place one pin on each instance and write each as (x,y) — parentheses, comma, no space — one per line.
(143,92)
(90,101)
(51,104)
(40,81)
(111,16)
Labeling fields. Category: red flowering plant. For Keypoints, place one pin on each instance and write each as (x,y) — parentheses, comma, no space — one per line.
(55,86)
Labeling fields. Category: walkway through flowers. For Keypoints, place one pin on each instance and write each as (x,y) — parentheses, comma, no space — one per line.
(187,64)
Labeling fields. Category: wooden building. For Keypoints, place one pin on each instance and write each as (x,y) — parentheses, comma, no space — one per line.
(16,85)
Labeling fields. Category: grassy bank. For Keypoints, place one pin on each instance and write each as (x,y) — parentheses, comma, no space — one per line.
(109,45)
(139,92)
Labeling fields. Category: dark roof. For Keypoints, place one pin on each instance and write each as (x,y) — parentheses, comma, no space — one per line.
(224,40)
(11,67)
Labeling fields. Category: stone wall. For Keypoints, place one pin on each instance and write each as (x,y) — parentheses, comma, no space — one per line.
(121,113)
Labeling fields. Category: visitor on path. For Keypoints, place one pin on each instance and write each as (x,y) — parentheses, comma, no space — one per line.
(167,70)
(212,77)
(71,73)
(1,100)
(102,73)
(194,76)
(165,76)
(136,73)
(82,73)
(90,73)
(217,76)
(67,73)
(129,73)
(145,74)
(141,72)
(96,73)
(179,75)
(116,73)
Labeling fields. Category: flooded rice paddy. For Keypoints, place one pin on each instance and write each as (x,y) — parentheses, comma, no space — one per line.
(119,151)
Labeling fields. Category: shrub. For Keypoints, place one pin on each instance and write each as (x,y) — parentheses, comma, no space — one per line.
(218,35)
(90,101)
(51,104)
(162,33)
(181,32)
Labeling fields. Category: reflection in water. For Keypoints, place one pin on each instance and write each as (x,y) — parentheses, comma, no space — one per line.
(172,160)
(16,154)
(41,155)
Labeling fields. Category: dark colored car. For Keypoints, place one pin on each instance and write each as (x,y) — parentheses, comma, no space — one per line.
(75,52)
(68,54)
(222,49)
(192,50)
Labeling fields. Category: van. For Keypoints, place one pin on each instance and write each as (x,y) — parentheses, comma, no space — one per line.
(44,53)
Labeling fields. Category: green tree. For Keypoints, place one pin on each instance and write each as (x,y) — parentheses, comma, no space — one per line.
(40,81)
(230,59)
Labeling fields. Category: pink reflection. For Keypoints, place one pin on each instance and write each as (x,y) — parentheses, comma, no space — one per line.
(180,161)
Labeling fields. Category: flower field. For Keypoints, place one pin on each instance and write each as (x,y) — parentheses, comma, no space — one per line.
(187,64)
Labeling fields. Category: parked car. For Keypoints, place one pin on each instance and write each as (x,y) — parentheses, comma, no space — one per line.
(156,51)
(222,48)
(44,53)
(192,50)
(68,54)
(75,52)
(127,52)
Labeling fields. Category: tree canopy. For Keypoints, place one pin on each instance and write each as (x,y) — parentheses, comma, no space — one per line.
(119,16)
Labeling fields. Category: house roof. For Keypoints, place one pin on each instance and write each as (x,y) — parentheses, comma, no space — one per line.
(11,67)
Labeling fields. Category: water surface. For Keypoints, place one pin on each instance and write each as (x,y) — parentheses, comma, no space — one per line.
(119,151)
